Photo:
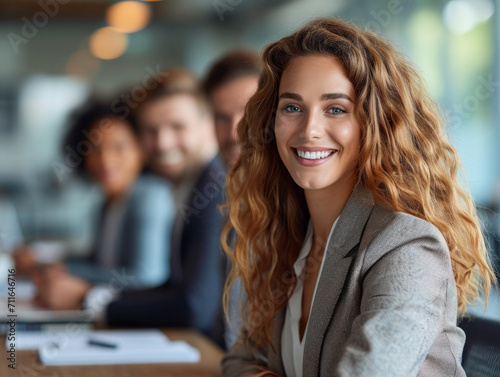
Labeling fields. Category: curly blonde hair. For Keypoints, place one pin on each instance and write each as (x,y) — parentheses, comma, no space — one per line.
(405,161)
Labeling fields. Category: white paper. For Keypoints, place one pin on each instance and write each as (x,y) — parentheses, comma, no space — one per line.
(133,347)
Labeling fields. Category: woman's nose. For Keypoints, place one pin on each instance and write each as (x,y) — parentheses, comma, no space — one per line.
(312,127)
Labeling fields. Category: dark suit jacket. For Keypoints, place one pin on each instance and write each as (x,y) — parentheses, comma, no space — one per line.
(192,296)
(385,304)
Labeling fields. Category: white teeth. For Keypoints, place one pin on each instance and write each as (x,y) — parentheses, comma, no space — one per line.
(172,157)
(313,155)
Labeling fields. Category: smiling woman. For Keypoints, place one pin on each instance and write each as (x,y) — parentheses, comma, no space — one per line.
(316,127)
(356,245)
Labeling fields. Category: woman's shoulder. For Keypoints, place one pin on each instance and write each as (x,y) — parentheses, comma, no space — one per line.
(388,230)
(385,222)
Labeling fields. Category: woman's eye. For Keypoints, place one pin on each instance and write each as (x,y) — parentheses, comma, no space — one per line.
(291,108)
(336,110)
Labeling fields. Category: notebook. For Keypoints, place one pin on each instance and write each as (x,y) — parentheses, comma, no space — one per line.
(114,347)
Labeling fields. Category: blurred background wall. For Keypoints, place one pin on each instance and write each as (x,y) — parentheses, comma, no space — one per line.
(54,53)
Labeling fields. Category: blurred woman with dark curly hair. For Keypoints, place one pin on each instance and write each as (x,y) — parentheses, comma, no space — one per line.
(357,247)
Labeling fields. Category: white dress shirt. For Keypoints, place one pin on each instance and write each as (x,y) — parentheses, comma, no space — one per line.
(292,348)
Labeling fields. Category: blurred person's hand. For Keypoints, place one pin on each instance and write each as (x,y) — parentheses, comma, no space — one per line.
(58,290)
(25,261)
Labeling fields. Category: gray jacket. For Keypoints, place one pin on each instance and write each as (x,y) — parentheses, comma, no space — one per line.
(385,305)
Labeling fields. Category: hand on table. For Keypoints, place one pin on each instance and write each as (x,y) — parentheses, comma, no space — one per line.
(58,290)
(27,264)
(24,260)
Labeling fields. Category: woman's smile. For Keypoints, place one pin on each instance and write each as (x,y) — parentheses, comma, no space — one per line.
(313,157)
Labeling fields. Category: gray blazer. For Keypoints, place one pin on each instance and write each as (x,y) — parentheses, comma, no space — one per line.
(385,305)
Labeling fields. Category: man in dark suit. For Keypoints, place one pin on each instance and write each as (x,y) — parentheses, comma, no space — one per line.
(177,133)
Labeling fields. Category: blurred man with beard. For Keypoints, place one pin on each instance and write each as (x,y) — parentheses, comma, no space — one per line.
(178,135)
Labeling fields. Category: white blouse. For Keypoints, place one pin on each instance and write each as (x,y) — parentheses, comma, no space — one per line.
(292,348)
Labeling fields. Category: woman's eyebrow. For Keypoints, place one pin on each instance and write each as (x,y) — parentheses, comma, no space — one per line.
(324,97)
(289,95)
(329,96)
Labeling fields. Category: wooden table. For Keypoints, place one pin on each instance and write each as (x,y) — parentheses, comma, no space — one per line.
(28,364)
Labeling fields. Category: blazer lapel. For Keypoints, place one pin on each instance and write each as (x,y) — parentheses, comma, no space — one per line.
(345,237)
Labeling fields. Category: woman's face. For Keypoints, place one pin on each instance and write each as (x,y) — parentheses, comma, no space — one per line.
(317,135)
(117,160)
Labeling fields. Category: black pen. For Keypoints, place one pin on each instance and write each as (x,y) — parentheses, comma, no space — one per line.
(99,343)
